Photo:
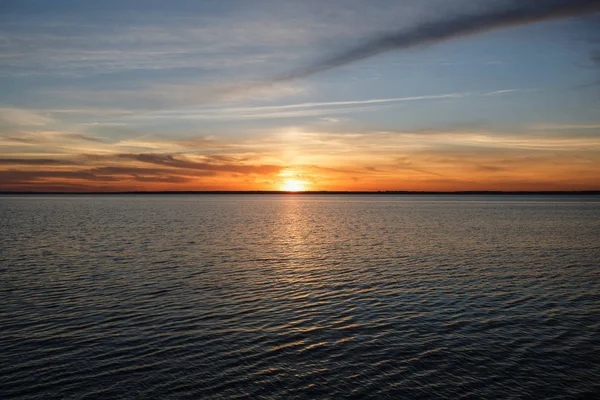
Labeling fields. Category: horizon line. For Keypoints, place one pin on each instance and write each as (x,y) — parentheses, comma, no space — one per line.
(309,192)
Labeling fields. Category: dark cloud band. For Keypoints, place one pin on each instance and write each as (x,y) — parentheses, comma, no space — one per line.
(514,13)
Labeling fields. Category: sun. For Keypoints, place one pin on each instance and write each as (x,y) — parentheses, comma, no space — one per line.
(292,185)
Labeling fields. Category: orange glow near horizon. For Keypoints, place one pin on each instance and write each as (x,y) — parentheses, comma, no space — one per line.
(451,175)
(293,185)
(319,162)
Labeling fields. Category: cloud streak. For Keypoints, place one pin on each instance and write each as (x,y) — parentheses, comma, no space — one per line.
(34,161)
(170,160)
(127,172)
(290,110)
(515,13)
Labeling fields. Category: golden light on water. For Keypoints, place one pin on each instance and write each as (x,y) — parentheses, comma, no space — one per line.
(293,185)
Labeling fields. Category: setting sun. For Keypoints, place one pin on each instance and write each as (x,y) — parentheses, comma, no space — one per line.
(292,185)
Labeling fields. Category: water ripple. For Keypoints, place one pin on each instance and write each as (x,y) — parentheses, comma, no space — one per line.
(299,297)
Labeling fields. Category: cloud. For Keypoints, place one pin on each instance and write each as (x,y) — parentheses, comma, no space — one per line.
(489,168)
(81,136)
(129,171)
(43,137)
(162,179)
(595,56)
(5,140)
(290,110)
(140,96)
(565,126)
(501,92)
(99,174)
(49,45)
(378,160)
(170,160)
(354,102)
(17,176)
(516,13)
(34,161)
(23,117)
(116,172)
(45,178)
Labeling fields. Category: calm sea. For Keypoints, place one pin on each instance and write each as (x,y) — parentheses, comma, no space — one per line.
(299,297)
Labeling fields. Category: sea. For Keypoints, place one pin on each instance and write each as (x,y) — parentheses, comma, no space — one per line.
(299,296)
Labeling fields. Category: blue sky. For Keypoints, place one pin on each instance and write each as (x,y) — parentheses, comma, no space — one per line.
(224,83)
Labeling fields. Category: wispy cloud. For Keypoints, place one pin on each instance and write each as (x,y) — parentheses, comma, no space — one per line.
(327,160)
(20,117)
(157,38)
(40,137)
(565,126)
(136,98)
(119,170)
(35,161)
(355,102)
(181,162)
(514,13)
(289,110)
(497,92)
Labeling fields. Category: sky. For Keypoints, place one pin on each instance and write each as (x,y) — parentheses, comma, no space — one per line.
(351,95)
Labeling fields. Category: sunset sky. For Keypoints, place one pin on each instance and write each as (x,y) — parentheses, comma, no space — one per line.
(299,95)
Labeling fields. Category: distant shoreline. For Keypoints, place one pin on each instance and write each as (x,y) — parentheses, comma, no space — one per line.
(272,192)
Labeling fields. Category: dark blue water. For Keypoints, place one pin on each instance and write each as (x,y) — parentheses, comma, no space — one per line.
(299,297)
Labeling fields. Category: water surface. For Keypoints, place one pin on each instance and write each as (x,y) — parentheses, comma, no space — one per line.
(299,297)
